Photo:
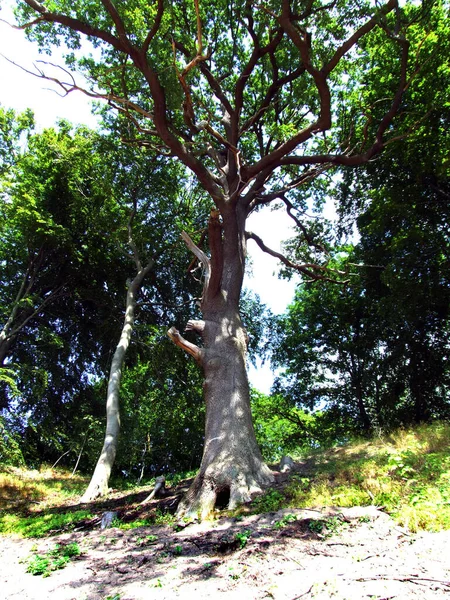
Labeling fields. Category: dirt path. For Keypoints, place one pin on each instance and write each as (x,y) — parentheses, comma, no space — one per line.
(362,554)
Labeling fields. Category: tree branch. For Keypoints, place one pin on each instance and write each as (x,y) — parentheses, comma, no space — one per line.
(188,347)
(74,24)
(361,32)
(153,31)
(313,271)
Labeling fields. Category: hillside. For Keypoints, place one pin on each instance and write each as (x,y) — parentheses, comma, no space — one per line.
(274,548)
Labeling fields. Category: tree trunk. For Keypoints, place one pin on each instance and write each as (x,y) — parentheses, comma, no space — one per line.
(5,345)
(98,485)
(232,465)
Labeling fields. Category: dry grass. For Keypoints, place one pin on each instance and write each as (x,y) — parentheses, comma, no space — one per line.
(24,489)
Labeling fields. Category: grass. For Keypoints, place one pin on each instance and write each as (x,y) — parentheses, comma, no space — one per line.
(34,503)
(407,473)
(49,487)
(42,524)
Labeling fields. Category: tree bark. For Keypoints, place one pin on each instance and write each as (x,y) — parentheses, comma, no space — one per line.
(232,463)
(98,485)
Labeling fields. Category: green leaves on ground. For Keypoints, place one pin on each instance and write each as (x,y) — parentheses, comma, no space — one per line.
(52,560)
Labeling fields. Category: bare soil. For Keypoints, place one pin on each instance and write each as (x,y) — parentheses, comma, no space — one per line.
(363,554)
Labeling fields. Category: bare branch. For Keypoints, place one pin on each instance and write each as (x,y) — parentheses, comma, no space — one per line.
(201,257)
(188,347)
(311,270)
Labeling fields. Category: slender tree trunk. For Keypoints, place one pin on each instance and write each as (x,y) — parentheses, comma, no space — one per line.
(98,485)
(5,345)
(232,463)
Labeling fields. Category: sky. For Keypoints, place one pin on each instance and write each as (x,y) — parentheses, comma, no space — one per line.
(21,90)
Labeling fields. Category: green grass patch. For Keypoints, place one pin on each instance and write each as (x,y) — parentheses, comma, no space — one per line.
(42,524)
(407,473)
(20,487)
(54,559)
(158,518)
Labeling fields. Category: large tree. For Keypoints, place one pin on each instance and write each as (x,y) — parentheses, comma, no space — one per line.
(245,96)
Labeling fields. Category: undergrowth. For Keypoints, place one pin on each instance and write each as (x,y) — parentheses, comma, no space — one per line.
(54,559)
(407,473)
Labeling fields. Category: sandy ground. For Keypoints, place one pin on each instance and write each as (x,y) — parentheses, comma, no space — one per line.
(273,555)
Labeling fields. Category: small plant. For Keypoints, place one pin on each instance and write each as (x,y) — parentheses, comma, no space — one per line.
(364,519)
(39,565)
(325,527)
(285,520)
(54,559)
(178,550)
(242,538)
(116,522)
(271,501)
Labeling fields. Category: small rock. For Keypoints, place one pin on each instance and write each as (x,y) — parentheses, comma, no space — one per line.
(286,464)
(107,519)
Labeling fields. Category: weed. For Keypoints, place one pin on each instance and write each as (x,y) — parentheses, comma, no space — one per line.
(365,519)
(177,551)
(325,527)
(242,538)
(54,559)
(271,501)
(116,522)
(285,520)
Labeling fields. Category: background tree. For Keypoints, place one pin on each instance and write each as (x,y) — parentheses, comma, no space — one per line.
(377,351)
(244,97)
(67,200)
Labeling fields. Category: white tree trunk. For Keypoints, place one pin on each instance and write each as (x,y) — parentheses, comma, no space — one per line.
(98,485)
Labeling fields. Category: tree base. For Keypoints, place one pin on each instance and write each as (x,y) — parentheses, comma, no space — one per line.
(240,486)
(95,490)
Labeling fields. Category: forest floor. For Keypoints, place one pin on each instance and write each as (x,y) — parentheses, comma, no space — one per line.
(349,553)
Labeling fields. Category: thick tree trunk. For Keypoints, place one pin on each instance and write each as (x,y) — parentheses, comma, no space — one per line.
(232,465)
(98,485)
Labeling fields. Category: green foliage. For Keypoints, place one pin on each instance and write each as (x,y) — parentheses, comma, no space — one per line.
(10,452)
(242,538)
(270,501)
(63,232)
(284,521)
(407,473)
(282,428)
(326,527)
(57,558)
